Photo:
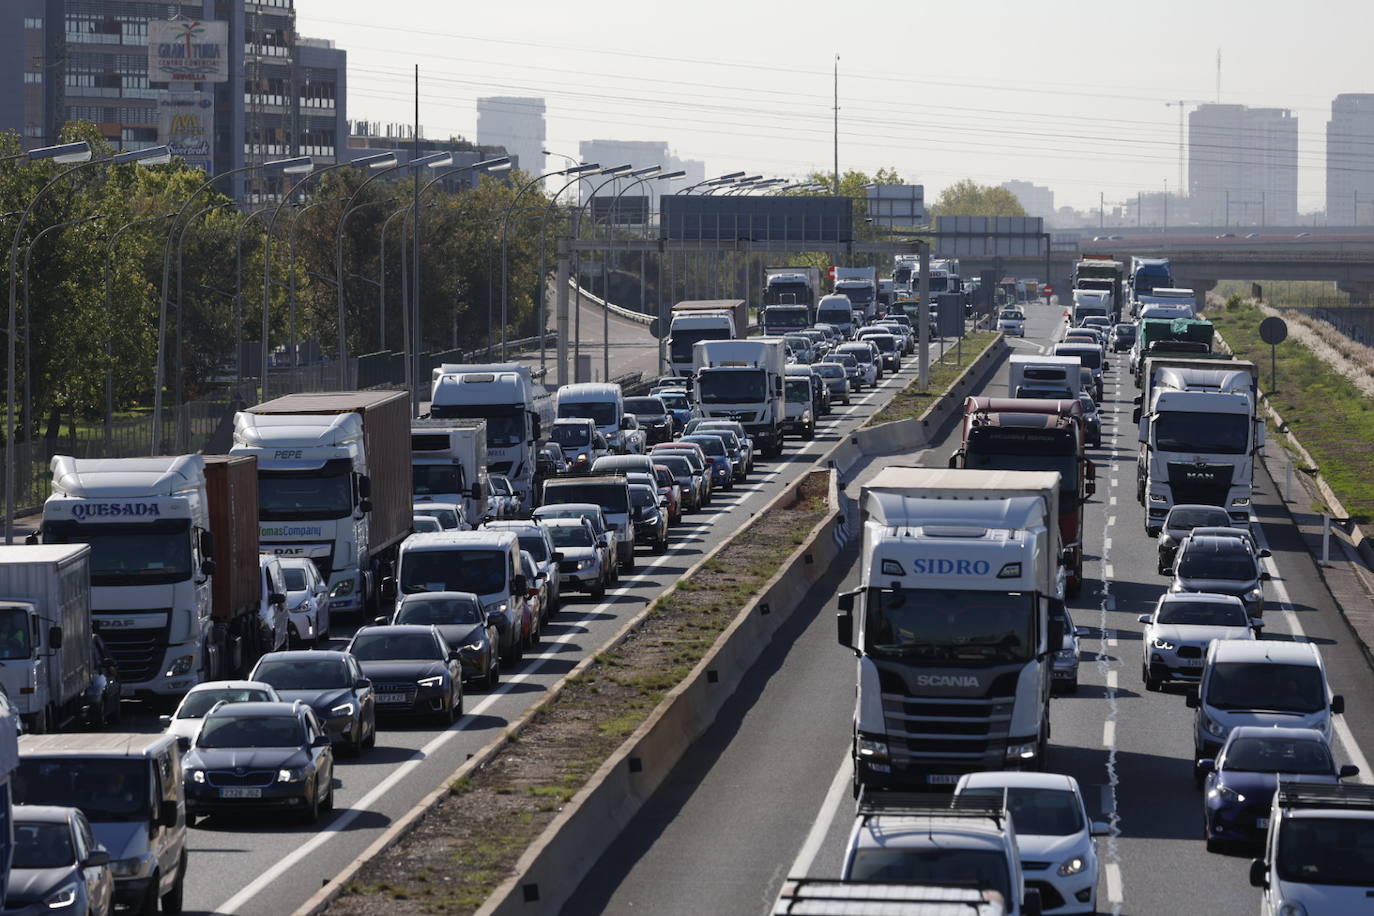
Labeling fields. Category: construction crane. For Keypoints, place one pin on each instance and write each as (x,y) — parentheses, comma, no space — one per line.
(1182,104)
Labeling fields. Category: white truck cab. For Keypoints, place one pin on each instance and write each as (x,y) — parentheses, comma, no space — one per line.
(601,402)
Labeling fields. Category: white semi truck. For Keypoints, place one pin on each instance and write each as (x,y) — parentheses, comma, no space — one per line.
(952,624)
(516,409)
(45,632)
(448,464)
(1199,432)
(743,380)
(703,319)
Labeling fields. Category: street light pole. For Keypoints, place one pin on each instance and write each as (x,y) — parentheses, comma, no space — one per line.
(109,319)
(238,297)
(180,336)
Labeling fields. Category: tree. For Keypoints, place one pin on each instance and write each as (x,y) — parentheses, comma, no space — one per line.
(968,198)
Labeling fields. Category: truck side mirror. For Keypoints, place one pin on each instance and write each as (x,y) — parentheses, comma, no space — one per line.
(558,556)
(207,566)
(364,486)
(954,458)
(207,543)
(625,423)
(276,598)
(168,814)
(534,422)
(1135,415)
(31,539)
(364,506)
(1192,700)
(388,588)
(1338,705)
(183,743)
(1030,904)
(1259,875)
(55,637)
(1056,634)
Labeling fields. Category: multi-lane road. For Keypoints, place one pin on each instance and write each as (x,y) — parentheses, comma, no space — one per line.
(766,793)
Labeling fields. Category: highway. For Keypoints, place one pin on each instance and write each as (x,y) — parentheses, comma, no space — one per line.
(632,347)
(766,792)
(251,865)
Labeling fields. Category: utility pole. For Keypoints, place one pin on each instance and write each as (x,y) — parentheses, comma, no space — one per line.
(837,125)
(414,343)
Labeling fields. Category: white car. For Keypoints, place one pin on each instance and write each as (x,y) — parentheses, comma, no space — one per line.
(425,524)
(504,501)
(1177,634)
(273,620)
(1054,836)
(200,699)
(1012,322)
(307,600)
(451,516)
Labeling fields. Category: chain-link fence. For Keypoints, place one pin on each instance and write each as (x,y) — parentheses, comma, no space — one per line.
(1354,321)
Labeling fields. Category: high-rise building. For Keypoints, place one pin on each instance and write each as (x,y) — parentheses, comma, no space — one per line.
(1243,166)
(640,154)
(1037,199)
(1350,160)
(518,125)
(251,88)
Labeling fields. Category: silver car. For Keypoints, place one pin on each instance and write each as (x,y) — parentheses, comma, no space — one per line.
(836,379)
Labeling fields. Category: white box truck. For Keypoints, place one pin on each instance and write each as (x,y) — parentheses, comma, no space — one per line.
(952,623)
(743,380)
(703,319)
(448,464)
(1032,376)
(45,632)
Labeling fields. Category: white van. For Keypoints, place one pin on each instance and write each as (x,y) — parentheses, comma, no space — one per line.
(600,402)
(1265,683)
(838,312)
(1031,373)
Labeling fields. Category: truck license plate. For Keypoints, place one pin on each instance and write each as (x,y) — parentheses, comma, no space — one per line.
(392,698)
(240,793)
(942,779)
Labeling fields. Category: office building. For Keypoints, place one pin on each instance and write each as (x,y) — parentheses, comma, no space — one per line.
(1037,199)
(1350,160)
(639,154)
(1243,166)
(516,124)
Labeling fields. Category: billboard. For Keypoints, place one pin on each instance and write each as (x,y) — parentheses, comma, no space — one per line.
(698,218)
(186,124)
(989,236)
(188,51)
(897,205)
(628,210)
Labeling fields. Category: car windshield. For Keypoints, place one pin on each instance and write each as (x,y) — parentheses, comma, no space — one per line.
(830,371)
(481,572)
(612,497)
(1202,614)
(438,611)
(14,633)
(553,511)
(692,458)
(570,536)
(726,435)
(1037,812)
(153,553)
(950,625)
(1277,754)
(1266,685)
(675,401)
(42,845)
(1225,563)
(885,342)
(644,407)
(1207,433)
(799,390)
(1326,850)
(1188,517)
(295,578)
(434,479)
(711,445)
(727,386)
(643,498)
(303,674)
(289,495)
(571,435)
(785,318)
(978,868)
(602,413)
(1012,315)
(1089,358)
(251,731)
(379,645)
(199,702)
(105,788)
(447,518)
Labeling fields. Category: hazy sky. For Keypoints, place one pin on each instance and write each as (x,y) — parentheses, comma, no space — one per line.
(1066,94)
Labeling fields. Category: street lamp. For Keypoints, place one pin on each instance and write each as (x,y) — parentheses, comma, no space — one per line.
(62,154)
(729,176)
(109,318)
(651,173)
(80,155)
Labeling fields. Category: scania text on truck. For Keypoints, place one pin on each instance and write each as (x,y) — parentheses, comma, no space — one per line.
(742,380)
(334,484)
(703,319)
(174,563)
(1032,434)
(45,618)
(515,407)
(800,285)
(1199,432)
(860,284)
(952,624)
(448,464)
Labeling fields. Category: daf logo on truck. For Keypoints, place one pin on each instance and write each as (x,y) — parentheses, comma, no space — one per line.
(947,680)
(921,567)
(85,510)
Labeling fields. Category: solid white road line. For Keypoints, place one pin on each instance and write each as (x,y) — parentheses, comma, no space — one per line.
(820,827)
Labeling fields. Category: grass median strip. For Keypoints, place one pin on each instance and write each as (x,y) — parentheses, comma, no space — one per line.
(1332,418)
(911,402)
(468,844)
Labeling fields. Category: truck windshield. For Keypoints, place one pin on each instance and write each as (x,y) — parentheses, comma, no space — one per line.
(1326,850)
(105,788)
(1205,433)
(799,391)
(683,339)
(1067,465)
(154,553)
(731,386)
(505,422)
(786,318)
(786,291)
(939,284)
(436,479)
(482,572)
(837,315)
(1266,685)
(602,413)
(941,866)
(14,633)
(859,295)
(950,625)
(293,496)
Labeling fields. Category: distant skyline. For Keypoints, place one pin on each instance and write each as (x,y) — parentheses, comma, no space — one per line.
(1066,94)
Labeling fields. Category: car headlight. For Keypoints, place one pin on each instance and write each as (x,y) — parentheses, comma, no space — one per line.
(1066,654)
(344,587)
(1213,727)
(196,776)
(1241,501)
(1158,498)
(435,681)
(291,774)
(1228,794)
(1024,750)
(1291,909)
(180,665)
(472,647)
(1163,644)
(1255,594)
(61,898)
(584,564)
(343,709)
(131,867)
(1072,866)
(580,459)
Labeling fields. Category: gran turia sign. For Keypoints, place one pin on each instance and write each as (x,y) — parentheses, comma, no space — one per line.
(188,51)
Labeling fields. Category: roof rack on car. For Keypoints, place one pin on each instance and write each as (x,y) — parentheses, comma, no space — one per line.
(932,804)
(1327,796)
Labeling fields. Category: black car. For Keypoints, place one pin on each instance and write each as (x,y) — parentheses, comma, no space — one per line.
(250,756)
(654,418)
(462,624)
(413,671)
(333,685)
(102,696)
(1123,337)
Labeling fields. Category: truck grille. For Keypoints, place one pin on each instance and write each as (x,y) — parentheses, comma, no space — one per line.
(139,652)
(946,730)
(743,416)
(1207,485)
(223,779)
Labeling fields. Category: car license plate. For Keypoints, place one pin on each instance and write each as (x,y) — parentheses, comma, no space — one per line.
(942,779)
(1262,823)
(1062,674)
(392,698)
(240,793)
(1190,663)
